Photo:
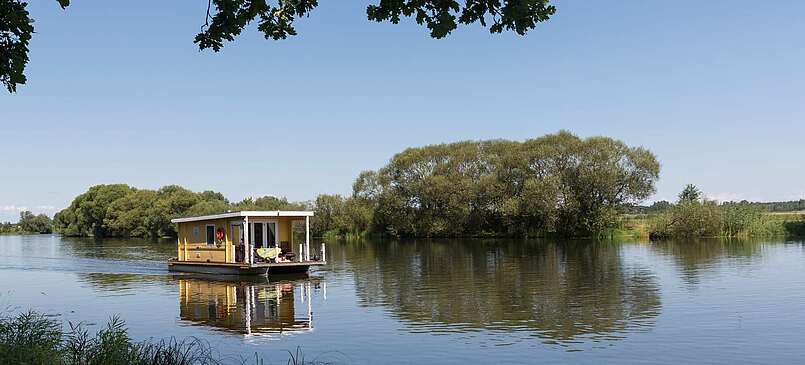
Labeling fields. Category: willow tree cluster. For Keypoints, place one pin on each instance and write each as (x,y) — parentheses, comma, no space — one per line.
(558,183)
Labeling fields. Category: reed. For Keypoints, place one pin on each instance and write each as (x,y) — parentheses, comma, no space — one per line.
(33,338)
(708,219)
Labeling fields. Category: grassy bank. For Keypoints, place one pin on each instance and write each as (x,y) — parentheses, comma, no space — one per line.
(645,226)
(695,216)
(33,338)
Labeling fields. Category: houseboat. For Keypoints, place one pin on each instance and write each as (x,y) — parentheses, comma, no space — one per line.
(245,243)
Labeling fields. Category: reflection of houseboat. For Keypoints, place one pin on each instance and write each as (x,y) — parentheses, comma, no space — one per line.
(245,307)
(255,242)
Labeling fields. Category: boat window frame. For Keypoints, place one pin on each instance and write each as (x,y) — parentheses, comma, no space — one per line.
(265,222)
(207,234)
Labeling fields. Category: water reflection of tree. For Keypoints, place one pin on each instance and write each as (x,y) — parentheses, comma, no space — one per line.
(697,257)
(556,292)
(122,284)
(119,248)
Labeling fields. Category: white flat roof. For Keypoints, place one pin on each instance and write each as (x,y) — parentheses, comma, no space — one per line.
(247,213)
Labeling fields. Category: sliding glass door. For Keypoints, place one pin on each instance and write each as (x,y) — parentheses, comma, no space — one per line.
(264,234)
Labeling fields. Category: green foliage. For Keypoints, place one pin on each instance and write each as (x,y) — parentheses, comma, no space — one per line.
(693,216)
(31,223)
(126,216)
(783,206)
(267,203)
(690,194)
(795,228)
(8,227)
(16,28)
(772,207)
(33,338)
(557,183)
(689,219)
(28,223)
(226,19)
(442,17)
(339,216)
(122,211)
(86,214)
(29,338)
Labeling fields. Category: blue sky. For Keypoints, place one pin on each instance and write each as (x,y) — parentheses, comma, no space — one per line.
(118,92)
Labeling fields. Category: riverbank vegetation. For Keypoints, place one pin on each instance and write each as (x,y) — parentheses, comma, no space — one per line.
(33,338)
(555,185)
(694,216)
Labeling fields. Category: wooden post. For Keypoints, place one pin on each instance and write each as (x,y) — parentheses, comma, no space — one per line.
(323,253)
(299,257)
(307,238)
(247,257)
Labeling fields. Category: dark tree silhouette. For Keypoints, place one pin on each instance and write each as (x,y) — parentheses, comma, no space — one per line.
(226,19)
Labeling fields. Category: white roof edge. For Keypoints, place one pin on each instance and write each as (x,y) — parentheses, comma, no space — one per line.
(247,213)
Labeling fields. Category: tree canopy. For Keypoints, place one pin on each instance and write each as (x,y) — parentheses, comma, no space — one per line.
(28,223)
(35,223)
(555,184)
(226,19)
(118,210)
(690,194)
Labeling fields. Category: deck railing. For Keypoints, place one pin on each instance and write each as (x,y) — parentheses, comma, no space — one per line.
(301,255)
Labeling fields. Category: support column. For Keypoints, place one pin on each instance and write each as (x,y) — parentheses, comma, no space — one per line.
(307,238)
(247,257)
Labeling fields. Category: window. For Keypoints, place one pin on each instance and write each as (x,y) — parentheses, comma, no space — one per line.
(257,232)
(263,234)
(210,235)
(272,234)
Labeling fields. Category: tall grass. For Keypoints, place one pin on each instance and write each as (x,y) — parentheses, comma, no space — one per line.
(31,338)
(708,219)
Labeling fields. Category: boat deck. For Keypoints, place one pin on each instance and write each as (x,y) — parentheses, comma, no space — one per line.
(242,268)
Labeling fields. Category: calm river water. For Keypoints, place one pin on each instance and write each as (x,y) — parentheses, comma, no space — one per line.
(457,301)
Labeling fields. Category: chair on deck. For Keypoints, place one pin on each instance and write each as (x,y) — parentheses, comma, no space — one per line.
(268,254)
(286,251)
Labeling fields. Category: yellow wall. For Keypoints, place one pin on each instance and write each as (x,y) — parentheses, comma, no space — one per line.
(194,247)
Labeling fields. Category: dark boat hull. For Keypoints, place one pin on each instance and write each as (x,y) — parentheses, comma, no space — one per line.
(235,269)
